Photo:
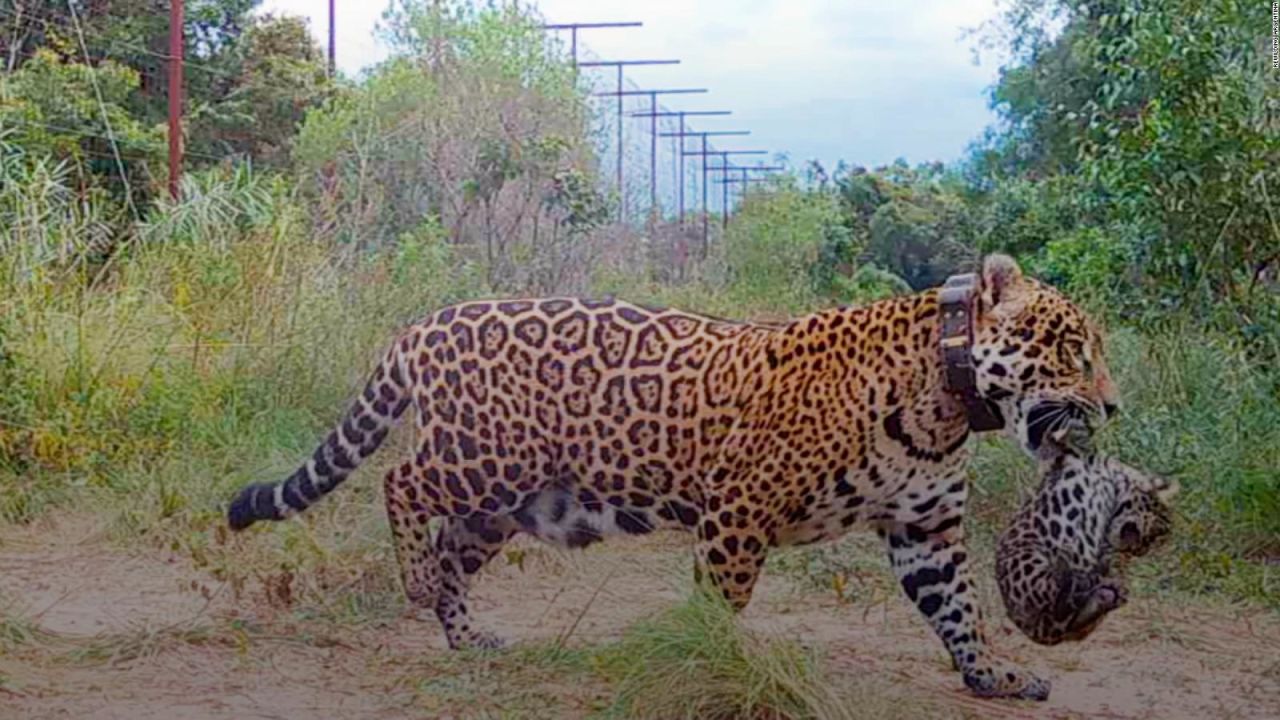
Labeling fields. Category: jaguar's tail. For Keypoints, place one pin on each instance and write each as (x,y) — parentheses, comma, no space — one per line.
(358,435)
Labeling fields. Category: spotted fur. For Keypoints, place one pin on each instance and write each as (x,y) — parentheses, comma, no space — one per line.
(1056,564)
(574,420)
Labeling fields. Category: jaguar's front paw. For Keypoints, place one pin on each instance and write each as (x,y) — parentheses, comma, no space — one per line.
(1005,682)
(472,639)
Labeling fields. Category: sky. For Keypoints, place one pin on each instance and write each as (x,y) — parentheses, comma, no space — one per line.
(866,81)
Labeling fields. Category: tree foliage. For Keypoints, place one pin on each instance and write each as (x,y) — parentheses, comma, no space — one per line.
(1142,138)
(275,74)
(473,121)
(77,76)
(80,113)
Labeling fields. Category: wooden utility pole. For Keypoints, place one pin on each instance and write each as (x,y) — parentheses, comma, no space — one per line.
(175,97)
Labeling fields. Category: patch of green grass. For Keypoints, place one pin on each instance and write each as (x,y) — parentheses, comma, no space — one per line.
(852,569)
(120,648)
(16,632)
(696,662)
(543,680)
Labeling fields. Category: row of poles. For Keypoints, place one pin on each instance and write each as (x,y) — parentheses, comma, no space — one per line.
(743,173)
(681,150)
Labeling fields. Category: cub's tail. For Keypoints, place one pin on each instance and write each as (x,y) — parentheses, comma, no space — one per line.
(359,434)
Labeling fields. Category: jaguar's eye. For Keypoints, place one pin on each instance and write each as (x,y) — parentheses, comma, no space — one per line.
(1086,365)
(1078,354)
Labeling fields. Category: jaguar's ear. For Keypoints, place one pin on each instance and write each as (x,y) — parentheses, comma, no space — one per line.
(1001,281)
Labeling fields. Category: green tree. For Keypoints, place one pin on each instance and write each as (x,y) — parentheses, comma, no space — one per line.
(65,109)
(475,121)
(133,33)
(774,244)
(911,222)
(276,74)
(248,80)
(1154,125)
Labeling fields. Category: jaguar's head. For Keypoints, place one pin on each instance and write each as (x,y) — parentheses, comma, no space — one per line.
(1037,355)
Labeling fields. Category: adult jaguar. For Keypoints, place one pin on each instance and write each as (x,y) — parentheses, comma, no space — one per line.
(572,420)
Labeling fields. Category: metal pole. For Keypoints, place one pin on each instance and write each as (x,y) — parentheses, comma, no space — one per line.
(705,241)
(333,64)
(573,29)
(653,116)
(653,153)
(679,156)
(724,194)
(744,169)
(677,159)
(619,94)
(677,147)
(724,168)
(175,96)
(682,134)
(622,196)
(744,179)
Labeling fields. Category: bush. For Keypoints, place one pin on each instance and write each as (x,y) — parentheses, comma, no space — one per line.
(500,153)
(80,113)
(772,245)
(224,318)
(868,284)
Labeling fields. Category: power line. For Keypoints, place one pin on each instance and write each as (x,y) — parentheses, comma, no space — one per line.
(573,29)
(106,121)
(112,43)
(82,133)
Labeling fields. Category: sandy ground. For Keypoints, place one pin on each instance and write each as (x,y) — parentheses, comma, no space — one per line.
(147,636)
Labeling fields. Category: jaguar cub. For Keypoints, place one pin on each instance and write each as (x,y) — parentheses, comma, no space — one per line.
(1057,563)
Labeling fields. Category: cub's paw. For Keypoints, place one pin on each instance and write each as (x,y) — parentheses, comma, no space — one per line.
(1105,597)
(1110,594)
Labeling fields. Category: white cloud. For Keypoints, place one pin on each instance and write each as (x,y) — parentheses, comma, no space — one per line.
(864,81)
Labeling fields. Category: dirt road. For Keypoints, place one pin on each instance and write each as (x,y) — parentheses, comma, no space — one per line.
(91,631)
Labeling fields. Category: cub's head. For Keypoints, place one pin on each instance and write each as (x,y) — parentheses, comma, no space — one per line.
(1142,518)
(1037,355)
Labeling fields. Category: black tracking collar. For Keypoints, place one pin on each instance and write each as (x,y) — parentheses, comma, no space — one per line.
(956,300)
